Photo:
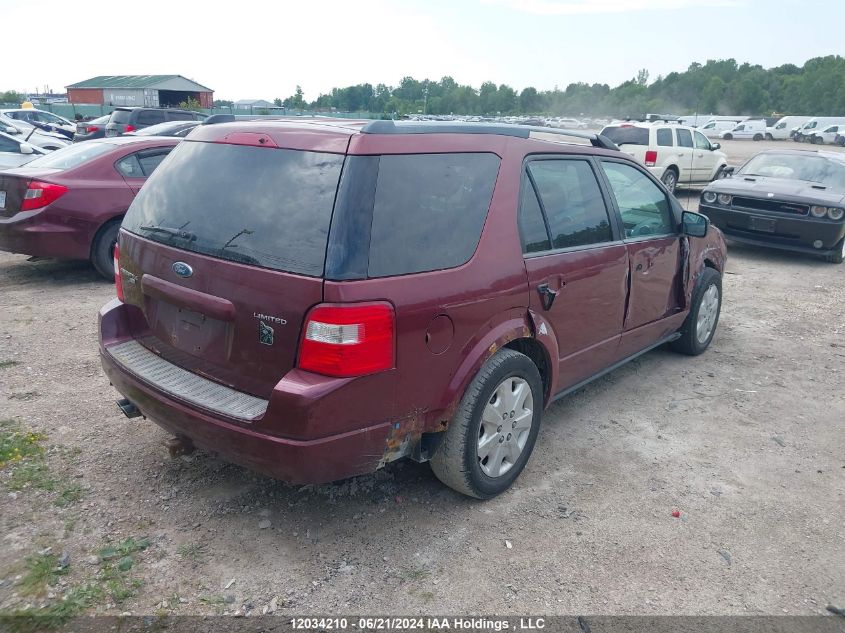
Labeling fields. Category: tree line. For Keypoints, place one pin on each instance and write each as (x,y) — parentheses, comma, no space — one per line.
(716,87)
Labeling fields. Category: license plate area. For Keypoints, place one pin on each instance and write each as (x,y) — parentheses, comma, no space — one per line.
(188,331)
(763,225)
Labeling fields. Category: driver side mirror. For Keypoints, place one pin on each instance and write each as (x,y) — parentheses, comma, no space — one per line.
(26,148)
(715,146)
(11,130)
(695,224)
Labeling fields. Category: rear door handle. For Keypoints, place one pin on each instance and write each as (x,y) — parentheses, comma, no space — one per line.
(547,295)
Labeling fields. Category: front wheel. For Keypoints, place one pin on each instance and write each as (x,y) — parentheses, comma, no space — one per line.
(839,256)
(728,137)
(700,325)
(494,429)
(758,137)
(721,174)
(670,179)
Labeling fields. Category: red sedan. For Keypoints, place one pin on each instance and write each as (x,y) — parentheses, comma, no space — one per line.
(69,204)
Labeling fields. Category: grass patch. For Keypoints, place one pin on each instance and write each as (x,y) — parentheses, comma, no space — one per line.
(32,474)
(192,552)
(69,495)
(41,570)
(5,364)
(17,444)
(413,574)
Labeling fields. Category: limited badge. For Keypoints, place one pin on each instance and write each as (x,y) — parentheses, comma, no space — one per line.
(265,333)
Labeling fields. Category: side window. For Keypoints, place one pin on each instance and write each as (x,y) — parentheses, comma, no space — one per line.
(571,199)
(8,145)
(701,141)
(684,138)
(644,208)
(664,137)
(179,116)
(150,117)
(151,159)
(129,167)
(532,226)
(429,210)
(740,128)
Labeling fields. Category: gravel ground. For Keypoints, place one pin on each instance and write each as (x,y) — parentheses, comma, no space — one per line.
(745,441)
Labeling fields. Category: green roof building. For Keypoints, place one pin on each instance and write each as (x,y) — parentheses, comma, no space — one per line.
(151,91)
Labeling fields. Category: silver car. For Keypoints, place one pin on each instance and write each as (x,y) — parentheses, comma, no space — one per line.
(16,122)
(15,152)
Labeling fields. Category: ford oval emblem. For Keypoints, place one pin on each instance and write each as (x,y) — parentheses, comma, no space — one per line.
(182,269)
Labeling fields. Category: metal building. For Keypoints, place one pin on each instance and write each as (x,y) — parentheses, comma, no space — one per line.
(139,90)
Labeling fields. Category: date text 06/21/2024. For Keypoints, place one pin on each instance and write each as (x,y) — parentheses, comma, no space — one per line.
(401,624)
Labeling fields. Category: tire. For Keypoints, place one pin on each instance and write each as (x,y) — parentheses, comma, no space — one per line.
(456,462)
(690,343)
(670,179)
(758,137)
(102,250)
(769,137)
(721,174)
(728,137)
(839,256)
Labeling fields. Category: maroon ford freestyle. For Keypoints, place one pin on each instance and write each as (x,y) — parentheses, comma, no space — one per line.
(314,300)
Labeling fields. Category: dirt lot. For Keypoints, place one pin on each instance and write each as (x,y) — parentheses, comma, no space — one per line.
(746,441)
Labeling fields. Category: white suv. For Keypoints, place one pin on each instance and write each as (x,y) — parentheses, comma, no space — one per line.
(677,154)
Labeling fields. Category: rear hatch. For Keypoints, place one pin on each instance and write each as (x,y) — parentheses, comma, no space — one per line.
(223,251)
(630,139)
(117,122)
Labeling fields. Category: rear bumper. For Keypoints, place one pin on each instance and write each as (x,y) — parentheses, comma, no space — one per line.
(37,233)
(797,234)
(298,461)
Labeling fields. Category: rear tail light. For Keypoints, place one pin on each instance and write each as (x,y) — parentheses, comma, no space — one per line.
(348,340)
(650,158)
(40,194)
(92,128)
(129,128)
(118,282)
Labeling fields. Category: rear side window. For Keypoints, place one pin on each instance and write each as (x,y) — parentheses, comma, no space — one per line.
(179,116)
(532,226)
(684,138)
(572,201)
(664,137)
(150,117)
(627,135)
(72,155)
(120,116)
(428,211)
(261,206)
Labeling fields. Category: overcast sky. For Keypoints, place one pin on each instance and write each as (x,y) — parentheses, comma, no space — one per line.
(261,49)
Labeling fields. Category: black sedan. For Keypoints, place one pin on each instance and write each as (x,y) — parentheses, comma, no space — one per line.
(787,199)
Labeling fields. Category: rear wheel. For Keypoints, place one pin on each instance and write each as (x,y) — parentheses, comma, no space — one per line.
(758,137)
(494,429)
(769,137)
(839,256)
(102,251)
(728,137)
(700,325)
(670,179)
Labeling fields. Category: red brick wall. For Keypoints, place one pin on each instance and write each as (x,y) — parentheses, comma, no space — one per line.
(85,95)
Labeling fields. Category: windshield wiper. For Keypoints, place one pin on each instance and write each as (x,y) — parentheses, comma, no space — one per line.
(185,235)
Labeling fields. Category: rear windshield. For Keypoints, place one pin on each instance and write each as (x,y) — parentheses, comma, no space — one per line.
(121,116)
(268,207)
(627,135)
(71,156)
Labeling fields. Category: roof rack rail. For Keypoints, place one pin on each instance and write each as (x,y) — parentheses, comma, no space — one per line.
(448,127)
